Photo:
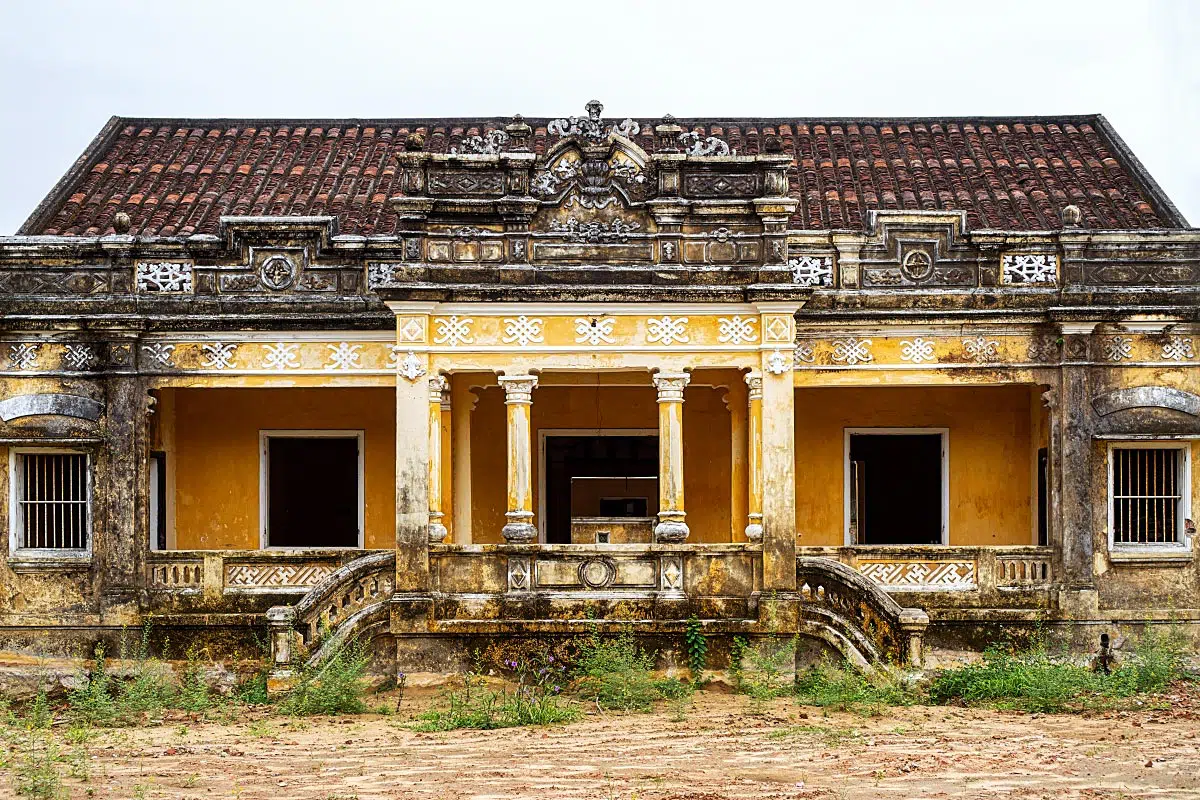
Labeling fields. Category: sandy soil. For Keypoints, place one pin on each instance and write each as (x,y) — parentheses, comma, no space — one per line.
(721,750)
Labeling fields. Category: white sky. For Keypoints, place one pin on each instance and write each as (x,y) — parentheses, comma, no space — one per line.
(66,67)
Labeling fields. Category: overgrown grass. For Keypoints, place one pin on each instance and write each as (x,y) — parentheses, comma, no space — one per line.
(841,687)
(766,669)
(334,687)
(1037,680)
(615,674)
(536,700)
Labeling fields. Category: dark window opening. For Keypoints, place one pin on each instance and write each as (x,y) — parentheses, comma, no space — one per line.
(598,476)
(1043,499)
(52,501)
(158,500)
(1147,495)
(896,488)
(312,494)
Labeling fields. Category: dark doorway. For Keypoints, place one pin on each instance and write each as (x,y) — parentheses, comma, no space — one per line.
(896,488)
(312,491)
(574,465)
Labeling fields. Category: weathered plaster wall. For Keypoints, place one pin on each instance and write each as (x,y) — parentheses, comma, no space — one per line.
(991,456)
(217,457)
(707,448)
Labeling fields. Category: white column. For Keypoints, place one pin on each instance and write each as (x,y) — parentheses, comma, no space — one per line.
(462,403)
(437,530)
(671,526)
(518,397)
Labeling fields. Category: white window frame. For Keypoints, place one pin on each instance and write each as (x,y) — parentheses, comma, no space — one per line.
(944,433)
(1183,542)
(14,508)
(264,482)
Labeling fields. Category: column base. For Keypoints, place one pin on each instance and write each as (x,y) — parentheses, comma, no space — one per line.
(520,528)
(437,532)
(754,531)
(671,527)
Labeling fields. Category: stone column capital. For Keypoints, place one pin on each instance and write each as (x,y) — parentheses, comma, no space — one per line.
(754,383)
(670,386)
(437,385)
(518,388)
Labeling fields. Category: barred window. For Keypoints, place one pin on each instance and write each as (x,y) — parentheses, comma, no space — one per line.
(51,505)
(1147,490)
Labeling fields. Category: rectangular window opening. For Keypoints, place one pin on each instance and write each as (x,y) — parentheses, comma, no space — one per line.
(896,486)
(1147,495)
(51,496)
(313,489)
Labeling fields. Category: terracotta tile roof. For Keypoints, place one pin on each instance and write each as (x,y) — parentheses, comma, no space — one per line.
(177,177)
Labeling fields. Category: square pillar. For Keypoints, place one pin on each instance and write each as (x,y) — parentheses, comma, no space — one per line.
(414,419)
(778,472)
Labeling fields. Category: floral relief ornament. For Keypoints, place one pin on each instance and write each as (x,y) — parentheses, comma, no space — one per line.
(169,277)
(852,351)
(282,355)
(343,355)
(778,363)
(523,331)
(981,348)
(736,330)
(453,330)
(667,330)
(917,351)
(812,270)
(411,367)
(594,331)
(1178,348)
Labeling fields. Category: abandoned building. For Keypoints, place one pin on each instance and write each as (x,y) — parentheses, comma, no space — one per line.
(890,384)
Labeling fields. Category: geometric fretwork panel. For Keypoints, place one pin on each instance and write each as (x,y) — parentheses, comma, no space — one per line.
(915,576)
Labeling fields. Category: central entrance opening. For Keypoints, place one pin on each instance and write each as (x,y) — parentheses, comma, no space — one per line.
(312,488)
(897,489)
(599,487)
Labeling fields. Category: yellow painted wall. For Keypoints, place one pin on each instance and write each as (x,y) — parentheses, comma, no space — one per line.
(216,457)
(706,448)
(992,456)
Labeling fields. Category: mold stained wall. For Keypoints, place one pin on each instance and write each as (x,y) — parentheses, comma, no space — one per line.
(706,434)
(994,434)
(216,456)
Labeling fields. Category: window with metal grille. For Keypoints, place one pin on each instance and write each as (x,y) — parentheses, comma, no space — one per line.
(1147,490)
(51,507)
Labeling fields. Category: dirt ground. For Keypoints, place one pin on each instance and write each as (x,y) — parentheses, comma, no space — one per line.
(721,749)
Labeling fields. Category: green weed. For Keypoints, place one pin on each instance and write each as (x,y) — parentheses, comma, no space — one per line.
(335,687)
(844,688)
(615,674)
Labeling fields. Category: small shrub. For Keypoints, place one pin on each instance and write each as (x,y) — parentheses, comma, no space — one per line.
(336,687)
(36,773)
(772,671)
(697,647)
(194,694)
(615,674)
(536,700)
(91,702)
(844,688)
(737,655)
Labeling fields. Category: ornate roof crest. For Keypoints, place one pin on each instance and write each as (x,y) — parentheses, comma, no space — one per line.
(591,127)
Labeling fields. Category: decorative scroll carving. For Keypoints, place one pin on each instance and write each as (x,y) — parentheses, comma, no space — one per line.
(727,185)
(383,276)
(812,270)
(594,179)
(219,355)
(488,144)
(282,355)
(278,272)
(343,356)
(1117,348)
(590,127)
(594,232)
(164,277)
(1029,268)
(454,182)
(411,368)
(695,145)
(778,363)
(805,353)
(915,576)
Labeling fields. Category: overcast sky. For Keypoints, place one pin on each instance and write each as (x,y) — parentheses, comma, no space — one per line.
(66,67)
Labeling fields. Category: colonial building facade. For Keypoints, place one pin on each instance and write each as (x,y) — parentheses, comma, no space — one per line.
(882,383)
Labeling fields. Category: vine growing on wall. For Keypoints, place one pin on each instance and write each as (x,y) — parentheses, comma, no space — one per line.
(697,647)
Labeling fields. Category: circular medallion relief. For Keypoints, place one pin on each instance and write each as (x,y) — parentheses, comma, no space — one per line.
(277,272)
(596,573)
(917,266)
